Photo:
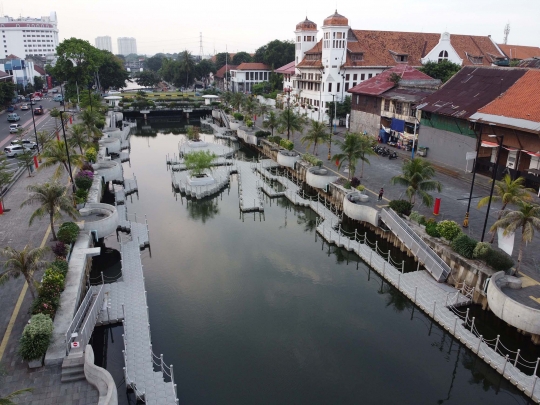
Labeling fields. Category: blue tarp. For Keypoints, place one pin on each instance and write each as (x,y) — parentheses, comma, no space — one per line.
(384,136)
(398,125)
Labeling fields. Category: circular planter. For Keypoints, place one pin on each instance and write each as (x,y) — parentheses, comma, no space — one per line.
(287,158)
(319,178)
(234,125)
(112,144)
(354,207)
(109,170)
(99,217)
(206,180)
(197,144)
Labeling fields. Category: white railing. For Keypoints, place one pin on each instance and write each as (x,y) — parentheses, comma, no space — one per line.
(432,262)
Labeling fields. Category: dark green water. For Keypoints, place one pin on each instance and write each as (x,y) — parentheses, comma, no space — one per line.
(258,310)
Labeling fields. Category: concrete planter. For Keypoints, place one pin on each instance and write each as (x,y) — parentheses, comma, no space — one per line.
(247,136)
(112,144)
(200,181)
(319,178)
(287,158)
(110,170)
(354,208)
(35,363)
(234,125)
(102,218)
(197,144)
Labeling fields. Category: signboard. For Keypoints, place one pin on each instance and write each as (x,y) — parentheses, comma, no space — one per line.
(75,345)
(506,243)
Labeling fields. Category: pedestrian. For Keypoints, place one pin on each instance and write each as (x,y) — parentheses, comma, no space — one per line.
(381,193)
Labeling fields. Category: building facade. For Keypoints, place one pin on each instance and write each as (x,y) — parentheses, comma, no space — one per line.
(326,68)
(104,43)
(127,45)
(29,36)
(246,75)
(22,71)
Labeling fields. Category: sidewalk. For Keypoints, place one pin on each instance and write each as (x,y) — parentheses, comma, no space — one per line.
(15,303)
(454,195)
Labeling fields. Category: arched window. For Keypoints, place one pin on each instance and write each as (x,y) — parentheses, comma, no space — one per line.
(443,55)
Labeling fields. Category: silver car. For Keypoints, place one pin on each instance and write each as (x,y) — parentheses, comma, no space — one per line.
(14,150)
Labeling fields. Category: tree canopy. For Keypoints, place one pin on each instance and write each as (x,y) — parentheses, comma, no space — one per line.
(241,57)
(221,58)
(111,71)
(147,78)
(443,70)
(154,63)
(275,53)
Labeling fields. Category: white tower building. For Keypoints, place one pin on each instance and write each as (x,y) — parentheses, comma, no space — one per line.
(334,53)
(127,45)
(306,38)
(104,43)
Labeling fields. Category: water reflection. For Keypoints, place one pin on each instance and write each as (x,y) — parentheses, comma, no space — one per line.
(202,210)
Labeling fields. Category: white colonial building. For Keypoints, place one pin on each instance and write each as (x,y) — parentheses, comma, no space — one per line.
(328,65)
(246,75)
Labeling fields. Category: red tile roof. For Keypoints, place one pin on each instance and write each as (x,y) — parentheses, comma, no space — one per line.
(520,51)
(381,83)
(253,66)
(521,101)
(40,70)
(471,89)
(336,20)
(221,72)
(306,25)
(288,69)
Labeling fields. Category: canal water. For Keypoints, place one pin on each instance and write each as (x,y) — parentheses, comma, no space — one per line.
(257,309)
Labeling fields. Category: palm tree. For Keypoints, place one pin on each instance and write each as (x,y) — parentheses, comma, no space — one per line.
(52,199)
(56,153)
(291,122)
(43,138)
(353,147)
(226,97)
(262,110)
(249,107)
(187,64)
(90,120)
(23,262)
(237,100)
(527,218)
(77,137)
(8,400)
(272,121)
(507,191)
(55,113)
(417,174)
(316,135)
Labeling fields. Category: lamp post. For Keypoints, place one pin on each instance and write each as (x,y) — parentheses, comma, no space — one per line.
(500,138)
(67,151)
(34,122)
(478,143)
(331,129)
(288,90)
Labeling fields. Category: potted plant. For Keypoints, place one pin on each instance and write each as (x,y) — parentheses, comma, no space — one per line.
(35,340)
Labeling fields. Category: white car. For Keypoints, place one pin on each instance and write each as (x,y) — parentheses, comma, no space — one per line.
(37,98)
(26,143)
(25,107)
(14,150)
(14,128)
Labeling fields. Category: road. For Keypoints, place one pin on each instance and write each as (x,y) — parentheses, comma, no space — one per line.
(43,123)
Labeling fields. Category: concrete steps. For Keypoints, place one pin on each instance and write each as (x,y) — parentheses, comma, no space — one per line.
(73,368)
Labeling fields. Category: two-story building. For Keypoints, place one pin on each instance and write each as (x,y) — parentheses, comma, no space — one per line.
(246,75)
(388,101)
(223,77)
(343,57)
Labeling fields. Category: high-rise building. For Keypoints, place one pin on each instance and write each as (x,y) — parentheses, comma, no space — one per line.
(127,45)
(27,36)
(104,43)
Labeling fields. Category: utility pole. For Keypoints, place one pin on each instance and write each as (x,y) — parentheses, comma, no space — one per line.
(200,46)
(506,33)
(332,128)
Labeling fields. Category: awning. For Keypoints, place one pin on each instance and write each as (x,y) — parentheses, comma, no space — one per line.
(537,154)
(487,144)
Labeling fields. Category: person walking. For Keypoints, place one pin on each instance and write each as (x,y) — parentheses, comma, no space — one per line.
(381,192)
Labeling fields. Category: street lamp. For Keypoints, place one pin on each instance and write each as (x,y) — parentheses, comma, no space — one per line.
(500,138)
(34,122)
(478,143)
(288,91)
(67,151)
(331,128)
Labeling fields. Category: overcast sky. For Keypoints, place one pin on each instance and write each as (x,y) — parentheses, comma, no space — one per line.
(244,25)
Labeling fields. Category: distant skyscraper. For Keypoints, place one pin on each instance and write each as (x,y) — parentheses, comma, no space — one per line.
(127,45)
(104,43)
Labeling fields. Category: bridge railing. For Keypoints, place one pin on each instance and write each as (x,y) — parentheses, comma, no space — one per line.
(432,262)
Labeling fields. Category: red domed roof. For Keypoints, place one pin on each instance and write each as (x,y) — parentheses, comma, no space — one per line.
(306,25)
(336,19)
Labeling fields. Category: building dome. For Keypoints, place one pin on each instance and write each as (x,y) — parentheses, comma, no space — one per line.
(306,25)
(336,20)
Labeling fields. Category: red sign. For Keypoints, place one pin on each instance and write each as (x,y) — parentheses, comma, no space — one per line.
(74,345)
(49,82)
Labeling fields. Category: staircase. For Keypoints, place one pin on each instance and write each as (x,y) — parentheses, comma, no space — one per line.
(73,367)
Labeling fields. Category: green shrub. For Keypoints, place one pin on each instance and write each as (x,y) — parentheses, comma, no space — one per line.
(53,278)
(68,232)
(482,250)
(449,230)
(275,139)
(402,207)
(464,245)
(249,123)
(83,183)
(260,133)
(60,265)
(91,155)
(499,260)
(347,185)
(415,216)
(432,230)
(361,187)
(314,160)
(81,195)
(286,144)
(36,337)
(238,116)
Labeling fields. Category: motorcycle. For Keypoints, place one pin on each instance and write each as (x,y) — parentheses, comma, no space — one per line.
(393,155)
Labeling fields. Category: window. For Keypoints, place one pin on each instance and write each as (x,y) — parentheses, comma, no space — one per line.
(357,57)
(338,86)
(386,105)
(399,108)
(330,87)
(346,86)
(443,55)
(354,84)
(370,76)
(256,75)
(355,77)
(347,77)
(412,112)
(363,76)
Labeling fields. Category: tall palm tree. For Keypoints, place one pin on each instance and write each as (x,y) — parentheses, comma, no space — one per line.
(8,400)
(77,137)
(262,110)
(23,262)
(272,121)
(187,65)
(226,97)
(507,191)
(237,100)
(55,153)
(353,147)
(55,113)
(52,199)
(527,218)
(90,119)
(290,121)
(249,107)
(316,135)
(43,138)
(416,176)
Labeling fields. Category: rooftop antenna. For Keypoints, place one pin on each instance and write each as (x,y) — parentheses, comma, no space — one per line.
(506,32)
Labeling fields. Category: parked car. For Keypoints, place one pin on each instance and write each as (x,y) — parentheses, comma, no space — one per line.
(13,117)
(14,150)
(10,109)
(25,142)
(25,107)
(14,128)
(38,110)
(37,98)
(58,97)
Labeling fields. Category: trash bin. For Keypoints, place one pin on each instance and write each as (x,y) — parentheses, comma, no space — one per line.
(422,151)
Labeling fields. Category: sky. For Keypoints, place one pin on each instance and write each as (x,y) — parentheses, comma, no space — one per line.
(244,25)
